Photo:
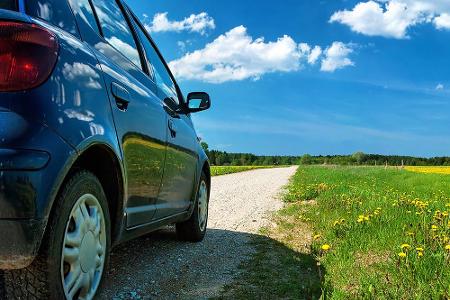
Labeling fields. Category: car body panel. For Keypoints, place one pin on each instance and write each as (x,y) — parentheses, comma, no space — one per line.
(181,168)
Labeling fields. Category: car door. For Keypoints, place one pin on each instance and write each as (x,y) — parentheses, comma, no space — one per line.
(140,119)
(181,158)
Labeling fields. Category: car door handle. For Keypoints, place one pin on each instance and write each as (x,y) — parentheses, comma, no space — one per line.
(172,128)
(121,95)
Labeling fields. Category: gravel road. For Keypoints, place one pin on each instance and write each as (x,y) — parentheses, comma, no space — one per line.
(158,266)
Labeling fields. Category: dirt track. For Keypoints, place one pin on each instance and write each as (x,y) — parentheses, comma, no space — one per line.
(158,266)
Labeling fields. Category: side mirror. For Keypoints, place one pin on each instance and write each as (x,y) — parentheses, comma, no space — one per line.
(198,101)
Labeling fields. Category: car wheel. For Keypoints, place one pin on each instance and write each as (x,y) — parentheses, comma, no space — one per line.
(74,252)
(194,229)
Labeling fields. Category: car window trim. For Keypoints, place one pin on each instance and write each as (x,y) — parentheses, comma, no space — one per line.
(97,20)
(149,73)
(181,100)
(142,68)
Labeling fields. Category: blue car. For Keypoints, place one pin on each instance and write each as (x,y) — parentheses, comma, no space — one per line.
(97,145)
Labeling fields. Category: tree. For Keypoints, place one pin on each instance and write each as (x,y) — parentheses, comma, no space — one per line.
(205,146)
(306,159)
(359,157)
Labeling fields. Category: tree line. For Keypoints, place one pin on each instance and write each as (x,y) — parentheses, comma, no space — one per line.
(223,158)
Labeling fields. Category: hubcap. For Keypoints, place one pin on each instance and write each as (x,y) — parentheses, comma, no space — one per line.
(83,252)
(202,205)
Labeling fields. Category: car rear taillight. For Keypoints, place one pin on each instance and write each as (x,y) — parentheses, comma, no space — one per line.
(28,54)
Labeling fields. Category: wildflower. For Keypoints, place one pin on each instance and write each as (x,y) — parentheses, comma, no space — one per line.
(434,227)
(410,233)
(419,253)
(326,247)
(420,249)
(402,254)
(447,247)
(316,237)
(405,246)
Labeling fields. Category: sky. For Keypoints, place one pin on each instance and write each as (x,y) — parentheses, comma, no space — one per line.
(312,76)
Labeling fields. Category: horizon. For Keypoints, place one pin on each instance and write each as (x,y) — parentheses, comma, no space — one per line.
(325,155)
(313,78)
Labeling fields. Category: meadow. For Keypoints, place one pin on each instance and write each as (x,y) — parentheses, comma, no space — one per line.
(355,233)
(430,170)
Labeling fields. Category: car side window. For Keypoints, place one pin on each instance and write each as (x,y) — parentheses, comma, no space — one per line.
(56,12)
(116,30)
(156,66)
(84,9)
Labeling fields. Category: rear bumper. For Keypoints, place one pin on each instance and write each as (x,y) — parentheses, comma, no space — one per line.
(20,242)
(33,163)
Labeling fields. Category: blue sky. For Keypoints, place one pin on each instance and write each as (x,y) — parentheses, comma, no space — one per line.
(309,76)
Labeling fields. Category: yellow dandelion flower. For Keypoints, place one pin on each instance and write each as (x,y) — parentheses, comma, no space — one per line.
(434,227)
(405,246)
(317,236)
(402,254)
(447,247)
(326,247)
(420,249)
(420,254)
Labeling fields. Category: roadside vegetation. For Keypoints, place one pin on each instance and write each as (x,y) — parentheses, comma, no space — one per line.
(223,170)
(429,170)
(223,158)
(356,232)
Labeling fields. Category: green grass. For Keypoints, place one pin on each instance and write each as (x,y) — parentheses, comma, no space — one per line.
(222,170)
(365,215)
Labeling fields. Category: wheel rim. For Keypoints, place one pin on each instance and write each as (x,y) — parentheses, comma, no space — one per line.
(203,205)
(83,252)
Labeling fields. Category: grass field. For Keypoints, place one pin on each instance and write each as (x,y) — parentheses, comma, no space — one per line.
(429,170)
(222,170)
(358,233)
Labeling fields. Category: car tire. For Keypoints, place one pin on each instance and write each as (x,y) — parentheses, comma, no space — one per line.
(194,229)
(69,225)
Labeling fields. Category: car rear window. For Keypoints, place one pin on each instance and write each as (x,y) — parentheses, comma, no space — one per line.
(8,4)
(56,12)
(116,30)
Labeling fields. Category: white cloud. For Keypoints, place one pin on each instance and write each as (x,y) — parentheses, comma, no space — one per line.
(194,23)
(336,57)
(237,56)
(83,74)
(442,21)
(393,18)
(439,87)
(312,54)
